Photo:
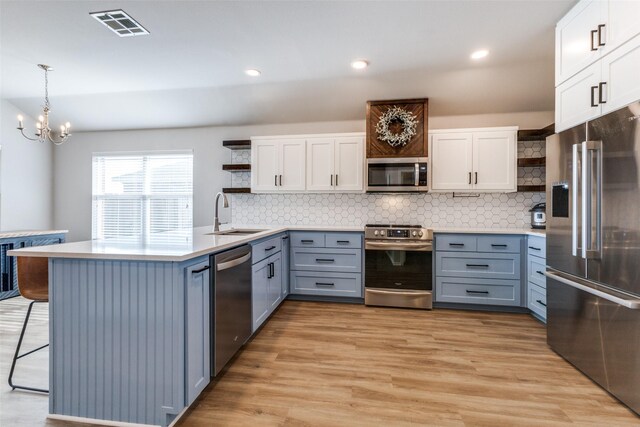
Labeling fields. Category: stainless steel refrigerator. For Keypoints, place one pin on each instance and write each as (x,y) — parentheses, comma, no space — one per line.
(593,250)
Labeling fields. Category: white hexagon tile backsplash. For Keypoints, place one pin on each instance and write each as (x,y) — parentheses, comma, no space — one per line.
(430,210)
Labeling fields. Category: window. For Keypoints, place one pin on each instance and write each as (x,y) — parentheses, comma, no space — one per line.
(141,197)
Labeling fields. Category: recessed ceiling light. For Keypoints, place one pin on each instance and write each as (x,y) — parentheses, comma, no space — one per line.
(120,23)
(252,72)
(360,64)
(479,54)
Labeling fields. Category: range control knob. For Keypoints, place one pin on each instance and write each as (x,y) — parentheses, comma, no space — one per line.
(376,233)
(420,233)
(382,232)
(414,234)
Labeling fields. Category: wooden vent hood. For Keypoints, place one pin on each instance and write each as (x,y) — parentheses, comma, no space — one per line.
(417,146)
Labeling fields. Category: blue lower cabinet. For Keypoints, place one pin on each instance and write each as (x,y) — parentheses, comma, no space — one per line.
(536,280)
(285,265)
(327,259)
(478,291)
(328,284)
(537,300)
(480,265)
(267,280)
(197,327)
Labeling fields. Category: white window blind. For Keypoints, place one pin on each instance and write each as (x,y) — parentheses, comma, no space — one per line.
(142,197)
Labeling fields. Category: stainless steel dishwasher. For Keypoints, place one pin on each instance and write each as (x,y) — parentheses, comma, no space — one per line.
(231,304)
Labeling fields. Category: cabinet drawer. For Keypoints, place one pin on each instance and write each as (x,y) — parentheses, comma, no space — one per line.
(343,240)
(498,266)
(332,284)
(265,248)
(537,246)
(497,243)
(344,260)
(456,242)
(537,300)
(535,271)
(478,291)
(307,240)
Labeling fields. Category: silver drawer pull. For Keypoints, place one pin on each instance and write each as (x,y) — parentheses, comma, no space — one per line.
(306,241)
(476,292)
(344,242)
(325,260)
(270,248)
(540,302)
(478,265)
(325,284)
(534,248)
(540,272)
(494,245)
(456,244)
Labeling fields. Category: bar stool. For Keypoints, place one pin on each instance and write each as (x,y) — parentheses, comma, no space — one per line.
(33,284)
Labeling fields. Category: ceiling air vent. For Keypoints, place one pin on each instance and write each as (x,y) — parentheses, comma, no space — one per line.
(120,23)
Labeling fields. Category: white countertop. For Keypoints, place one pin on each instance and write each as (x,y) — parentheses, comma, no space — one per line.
(181,245)
(526,231)
(29,233)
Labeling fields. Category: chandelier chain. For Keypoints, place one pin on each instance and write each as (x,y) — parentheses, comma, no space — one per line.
(46,88)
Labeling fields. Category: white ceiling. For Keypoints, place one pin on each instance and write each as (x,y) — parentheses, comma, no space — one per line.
(190,70)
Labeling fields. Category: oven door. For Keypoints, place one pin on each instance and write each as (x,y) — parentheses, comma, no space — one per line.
(398,274)
(398,175)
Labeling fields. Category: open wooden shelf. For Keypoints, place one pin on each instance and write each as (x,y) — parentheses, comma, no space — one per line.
(238,167)
(236,190)
(536,134)
(237,144)
(531,188)
(532,161)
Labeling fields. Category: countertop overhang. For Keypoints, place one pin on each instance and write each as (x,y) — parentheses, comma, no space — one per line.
(182,245)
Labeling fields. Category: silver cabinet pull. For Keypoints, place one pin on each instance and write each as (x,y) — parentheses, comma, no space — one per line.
(541,303)
(601,91)
(325,260)
(325,284)
(593,96)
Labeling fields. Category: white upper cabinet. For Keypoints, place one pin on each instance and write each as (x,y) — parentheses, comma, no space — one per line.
(451,161)
(621,76)
(591,30)
(494,161)
(476,160)
(577,38)
(578,99)
(335,164)
(308,163)
(623,23)
(349,164)
(278,165)
(320,164)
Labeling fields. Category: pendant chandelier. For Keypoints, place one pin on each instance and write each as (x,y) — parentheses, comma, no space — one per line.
(43,131)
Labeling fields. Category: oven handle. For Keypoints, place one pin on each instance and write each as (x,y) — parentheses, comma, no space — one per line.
(395,246)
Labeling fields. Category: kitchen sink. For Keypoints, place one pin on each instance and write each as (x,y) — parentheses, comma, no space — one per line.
(236,232)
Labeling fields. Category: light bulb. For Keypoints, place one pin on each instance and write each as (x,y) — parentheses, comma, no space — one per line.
(20,117)
(67,125)
(39,125)
(41,118)
(61,128)
(479,54)
(252,72)
(360,64)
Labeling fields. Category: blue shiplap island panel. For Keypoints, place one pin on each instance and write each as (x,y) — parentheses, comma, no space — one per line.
(118,339)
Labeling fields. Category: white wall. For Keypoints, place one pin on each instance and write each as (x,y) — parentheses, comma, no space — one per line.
(25,175)
(72,161)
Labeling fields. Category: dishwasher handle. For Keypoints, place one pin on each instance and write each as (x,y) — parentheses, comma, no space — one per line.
(233,263)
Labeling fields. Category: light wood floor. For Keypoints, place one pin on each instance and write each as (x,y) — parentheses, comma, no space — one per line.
(320,364)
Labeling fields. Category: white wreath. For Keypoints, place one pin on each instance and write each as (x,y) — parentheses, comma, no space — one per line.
(396,114)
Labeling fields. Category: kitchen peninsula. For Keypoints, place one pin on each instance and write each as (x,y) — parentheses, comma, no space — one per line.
(129,323)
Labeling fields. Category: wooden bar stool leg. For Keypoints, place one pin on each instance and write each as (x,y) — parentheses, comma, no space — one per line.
(17,354)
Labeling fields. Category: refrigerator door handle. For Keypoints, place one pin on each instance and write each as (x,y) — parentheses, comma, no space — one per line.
(591,193)
(575,200)
(631,303)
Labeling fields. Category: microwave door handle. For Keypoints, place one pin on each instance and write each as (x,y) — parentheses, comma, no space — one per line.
(417,174)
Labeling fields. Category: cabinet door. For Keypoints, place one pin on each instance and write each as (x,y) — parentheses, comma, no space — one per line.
(576,45)
(260,293)
(494,161)
(197,329)
(264,163)
(622,25)
(621,72)
(320,164)
(451,161)
(292,165)
(349,160)
(275,283)
(577,98)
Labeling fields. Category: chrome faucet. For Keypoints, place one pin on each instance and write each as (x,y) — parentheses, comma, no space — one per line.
(216,220)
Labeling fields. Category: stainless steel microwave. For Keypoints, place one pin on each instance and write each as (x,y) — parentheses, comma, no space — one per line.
(397,174)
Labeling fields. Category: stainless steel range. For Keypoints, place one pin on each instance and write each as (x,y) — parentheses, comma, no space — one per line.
(398,266)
